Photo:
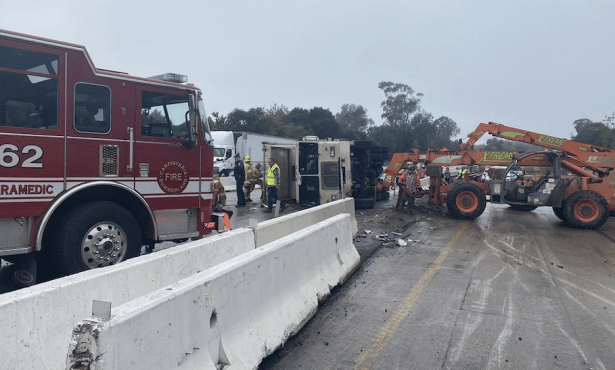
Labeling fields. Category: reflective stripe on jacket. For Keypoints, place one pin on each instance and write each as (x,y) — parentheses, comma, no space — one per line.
(271,175)
(249,174)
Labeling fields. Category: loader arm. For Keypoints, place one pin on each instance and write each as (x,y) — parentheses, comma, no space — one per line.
(515,134)
(598,159)
(397,161)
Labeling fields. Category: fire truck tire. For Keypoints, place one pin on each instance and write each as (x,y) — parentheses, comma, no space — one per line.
(466,201)
(559,212)
(522,207)
(95,234)
(586,210)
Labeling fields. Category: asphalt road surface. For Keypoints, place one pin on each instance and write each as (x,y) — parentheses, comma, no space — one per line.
(510,290)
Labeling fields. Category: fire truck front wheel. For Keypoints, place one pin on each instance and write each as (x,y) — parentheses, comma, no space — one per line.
(95,234)
(466,201)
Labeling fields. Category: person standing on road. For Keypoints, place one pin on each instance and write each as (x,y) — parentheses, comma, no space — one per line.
(461,174)
(249,178)
(447,176)
(219,197)
(402,196)
(409,186)
(240,177)
(255,179)
(273,181)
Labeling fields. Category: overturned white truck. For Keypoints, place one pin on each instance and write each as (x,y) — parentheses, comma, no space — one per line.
(316,171)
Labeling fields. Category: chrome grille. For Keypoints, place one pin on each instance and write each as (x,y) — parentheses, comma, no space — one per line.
(109,155)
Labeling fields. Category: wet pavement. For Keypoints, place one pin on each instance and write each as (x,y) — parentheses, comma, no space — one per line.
(509,290)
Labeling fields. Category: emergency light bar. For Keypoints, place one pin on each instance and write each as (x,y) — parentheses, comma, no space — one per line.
(171,77)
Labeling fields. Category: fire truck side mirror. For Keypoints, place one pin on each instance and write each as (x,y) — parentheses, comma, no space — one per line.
(191,118)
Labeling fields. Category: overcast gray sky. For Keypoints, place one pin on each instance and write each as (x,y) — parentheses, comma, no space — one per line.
(532,64)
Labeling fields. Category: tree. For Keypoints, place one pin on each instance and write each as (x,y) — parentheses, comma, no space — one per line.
(277,111)
(400,103)
(597,133)
(580,124)
(354,118)
(317,121)
(406,126)
(610,120)
(446,129)
(323,123)
(240,120)
(218,122)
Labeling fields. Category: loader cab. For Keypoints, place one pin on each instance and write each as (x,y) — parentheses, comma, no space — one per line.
(531,180)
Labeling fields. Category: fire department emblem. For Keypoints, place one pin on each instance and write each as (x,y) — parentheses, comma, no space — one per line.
(173,177)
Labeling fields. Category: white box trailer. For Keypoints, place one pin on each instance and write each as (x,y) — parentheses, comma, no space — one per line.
(248,143)
(229,143)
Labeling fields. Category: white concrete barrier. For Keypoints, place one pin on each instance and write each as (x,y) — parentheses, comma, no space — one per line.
(36,323)
(235,313)
(268,231)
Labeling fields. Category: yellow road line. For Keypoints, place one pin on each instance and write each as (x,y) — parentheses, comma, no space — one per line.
(384,336)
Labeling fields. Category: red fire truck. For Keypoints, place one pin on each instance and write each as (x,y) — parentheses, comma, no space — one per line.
(95,163)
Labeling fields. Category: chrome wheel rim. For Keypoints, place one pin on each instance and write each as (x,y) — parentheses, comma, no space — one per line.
(103,245)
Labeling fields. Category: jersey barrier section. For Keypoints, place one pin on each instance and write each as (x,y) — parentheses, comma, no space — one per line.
(232,315)
(36,323)
(268,231)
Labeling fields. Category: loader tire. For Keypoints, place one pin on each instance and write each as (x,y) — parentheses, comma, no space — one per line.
(466,201)
(559,212)
(586,210)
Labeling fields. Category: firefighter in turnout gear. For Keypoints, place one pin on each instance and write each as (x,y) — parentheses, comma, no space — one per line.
(219,198)
(248,184)
(253,178)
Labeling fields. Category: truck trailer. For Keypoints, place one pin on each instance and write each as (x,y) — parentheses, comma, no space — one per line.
(229,143)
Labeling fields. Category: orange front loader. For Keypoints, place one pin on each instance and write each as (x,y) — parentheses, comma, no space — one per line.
(573,178)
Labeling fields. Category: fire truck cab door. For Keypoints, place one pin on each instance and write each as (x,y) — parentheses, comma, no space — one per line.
(31,136)
(167,163)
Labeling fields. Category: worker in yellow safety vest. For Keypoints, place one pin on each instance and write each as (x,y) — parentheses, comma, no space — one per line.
(273,181)
(462,173)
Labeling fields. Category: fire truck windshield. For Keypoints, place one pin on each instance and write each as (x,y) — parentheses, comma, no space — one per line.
(204,123)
